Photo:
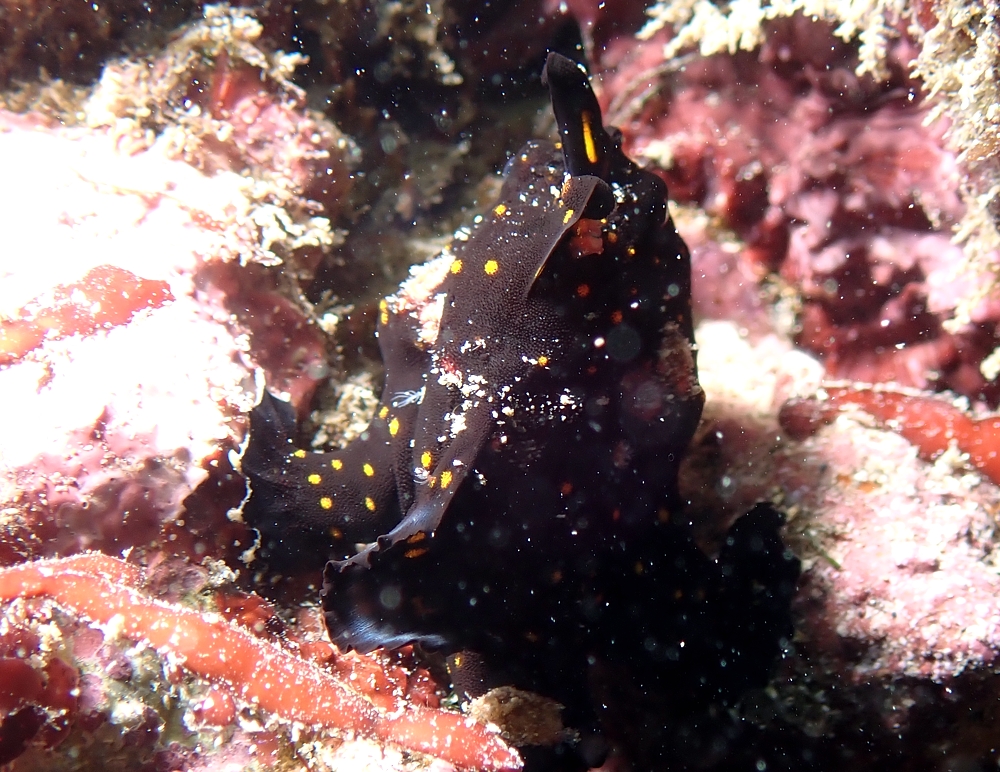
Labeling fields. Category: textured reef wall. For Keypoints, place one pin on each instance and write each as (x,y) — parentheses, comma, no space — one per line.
(136,325)
(842,164)
(207,211)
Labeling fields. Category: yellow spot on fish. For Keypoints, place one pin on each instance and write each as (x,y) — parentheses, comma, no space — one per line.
(445,478)
(336,533)
(383,412)
(314,479)
(326,502)
(394,427)
(568,216)
(415,553)
(369,470)
(500,210)
(299,453)
(491,267)
(370,503)
(425,459)
(337,464)
(543,360)
(456,266)
(589,146)
(383,308)
(418,536)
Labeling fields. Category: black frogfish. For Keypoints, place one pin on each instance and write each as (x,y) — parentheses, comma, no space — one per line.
(515,494)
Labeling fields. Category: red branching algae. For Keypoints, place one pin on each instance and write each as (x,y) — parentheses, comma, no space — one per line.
(107,296)
(932,424)
(837,186)
(105,591)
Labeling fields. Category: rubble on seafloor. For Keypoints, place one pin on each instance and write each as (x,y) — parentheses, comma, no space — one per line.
(836,166)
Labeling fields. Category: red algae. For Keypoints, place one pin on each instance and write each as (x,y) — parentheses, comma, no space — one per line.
(34,703)
(107,296)
(102,589)
(835,190)
(931,423)
(217,708)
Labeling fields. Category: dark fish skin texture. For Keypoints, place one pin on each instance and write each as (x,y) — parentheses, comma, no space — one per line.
(517,488)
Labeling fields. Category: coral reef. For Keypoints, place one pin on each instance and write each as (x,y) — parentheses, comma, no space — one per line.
(837,165)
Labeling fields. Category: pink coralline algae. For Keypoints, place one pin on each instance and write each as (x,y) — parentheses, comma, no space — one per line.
(897,606)
(128,376)
(904,582)
(104,336)
(133,314)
